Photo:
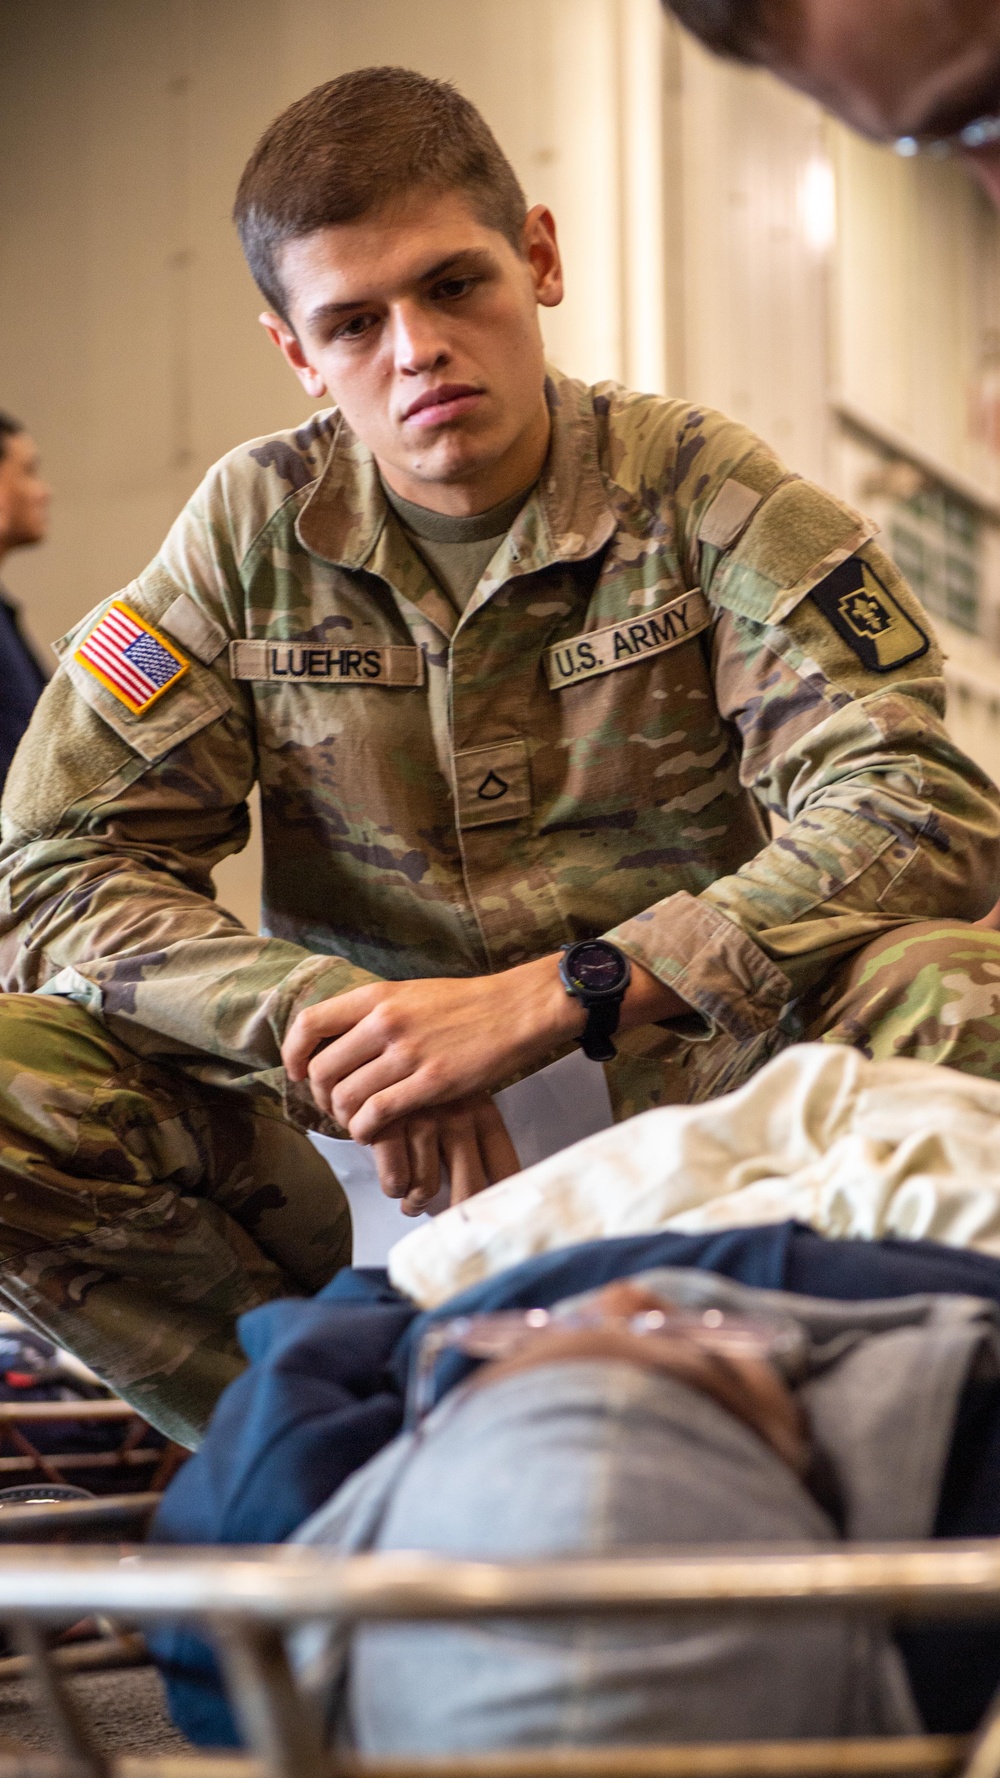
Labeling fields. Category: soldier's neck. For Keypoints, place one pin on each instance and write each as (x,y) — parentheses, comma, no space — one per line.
(488,487)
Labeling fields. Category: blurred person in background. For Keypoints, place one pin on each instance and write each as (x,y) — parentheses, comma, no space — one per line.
(924,74)
(24,518)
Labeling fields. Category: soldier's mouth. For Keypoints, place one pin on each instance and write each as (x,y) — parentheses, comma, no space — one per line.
(445,402)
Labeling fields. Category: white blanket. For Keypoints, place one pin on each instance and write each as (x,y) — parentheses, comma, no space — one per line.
(854,1148)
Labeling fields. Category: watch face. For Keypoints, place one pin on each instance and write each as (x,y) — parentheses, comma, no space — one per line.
(597,967)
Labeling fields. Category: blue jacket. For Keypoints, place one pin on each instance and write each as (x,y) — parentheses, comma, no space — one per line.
(22,681)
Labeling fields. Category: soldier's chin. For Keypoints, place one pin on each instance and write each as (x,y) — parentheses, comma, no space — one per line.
(454,459)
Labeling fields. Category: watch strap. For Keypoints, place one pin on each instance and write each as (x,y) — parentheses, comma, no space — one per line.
(602,1023)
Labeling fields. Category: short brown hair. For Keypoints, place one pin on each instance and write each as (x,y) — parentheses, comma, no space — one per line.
(351,146)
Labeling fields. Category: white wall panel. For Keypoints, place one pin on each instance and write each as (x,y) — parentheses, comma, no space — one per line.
(749,155)
(917,304)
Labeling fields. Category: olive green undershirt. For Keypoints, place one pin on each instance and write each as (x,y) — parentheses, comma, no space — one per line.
(457,551)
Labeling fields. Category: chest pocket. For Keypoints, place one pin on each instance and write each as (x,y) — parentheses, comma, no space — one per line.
(641,733)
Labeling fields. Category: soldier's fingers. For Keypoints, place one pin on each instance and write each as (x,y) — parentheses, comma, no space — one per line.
(392,1159)
(462,1158)
(383,1105)
(386,1072)
(318,1024)
(500,1157)
(414,1204)
(341,1082)
(425,1159)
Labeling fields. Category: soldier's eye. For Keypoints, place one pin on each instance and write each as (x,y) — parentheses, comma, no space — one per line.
(450,289)
(355,328)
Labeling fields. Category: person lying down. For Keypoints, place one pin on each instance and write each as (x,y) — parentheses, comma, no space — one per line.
(633,1397)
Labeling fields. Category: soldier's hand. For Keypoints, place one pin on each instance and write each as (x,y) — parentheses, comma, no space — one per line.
(382,1052)
(467,1143)
(401,1047)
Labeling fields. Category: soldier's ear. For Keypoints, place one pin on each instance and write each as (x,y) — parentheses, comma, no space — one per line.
(287,342)
(541,249)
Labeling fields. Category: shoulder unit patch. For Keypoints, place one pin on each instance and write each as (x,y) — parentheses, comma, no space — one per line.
(868,618)
(132,659)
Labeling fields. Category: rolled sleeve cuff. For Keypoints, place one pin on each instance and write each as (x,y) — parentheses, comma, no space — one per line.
(710,962)
(320,978)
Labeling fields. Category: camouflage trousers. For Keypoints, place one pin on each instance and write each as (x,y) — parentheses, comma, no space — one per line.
(142,1212)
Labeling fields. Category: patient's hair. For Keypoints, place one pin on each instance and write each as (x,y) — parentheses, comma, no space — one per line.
(736,28)
(353,145)
(9,428)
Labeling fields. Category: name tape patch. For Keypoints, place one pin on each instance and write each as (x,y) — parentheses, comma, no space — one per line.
(867,617)
(310,663)
(621,644)
(130,658)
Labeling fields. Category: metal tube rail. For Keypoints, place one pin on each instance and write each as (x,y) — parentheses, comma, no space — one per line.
(14,1411)
(245,1599)
(285,1584)
(918,1756)
(126,1514)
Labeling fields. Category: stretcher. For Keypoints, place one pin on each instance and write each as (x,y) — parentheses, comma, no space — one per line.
(248,1601)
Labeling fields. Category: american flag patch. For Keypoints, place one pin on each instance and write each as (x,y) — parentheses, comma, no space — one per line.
(133,660)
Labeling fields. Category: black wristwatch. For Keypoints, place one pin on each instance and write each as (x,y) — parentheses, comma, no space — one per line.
(597,974)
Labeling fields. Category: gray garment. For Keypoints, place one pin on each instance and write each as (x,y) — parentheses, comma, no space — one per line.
(880,1383)
(589,1458)
(457,551)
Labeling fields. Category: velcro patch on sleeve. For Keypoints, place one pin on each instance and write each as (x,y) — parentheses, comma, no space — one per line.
(622,644)
(134,661)
(729,514)
(868,618)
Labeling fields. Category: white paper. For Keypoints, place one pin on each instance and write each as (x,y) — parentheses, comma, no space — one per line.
(545,1113)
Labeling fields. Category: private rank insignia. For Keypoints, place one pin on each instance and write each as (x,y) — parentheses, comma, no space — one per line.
(131,658)
(868,618)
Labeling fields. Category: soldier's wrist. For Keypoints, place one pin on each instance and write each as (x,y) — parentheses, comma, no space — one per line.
(648,1001)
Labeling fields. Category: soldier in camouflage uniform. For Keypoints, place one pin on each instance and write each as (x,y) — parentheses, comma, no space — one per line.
(672,637)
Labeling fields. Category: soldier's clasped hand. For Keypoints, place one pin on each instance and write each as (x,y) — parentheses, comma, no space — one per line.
(394,1048)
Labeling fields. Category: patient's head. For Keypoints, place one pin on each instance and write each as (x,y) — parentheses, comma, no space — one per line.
(597,1441)
(744,1385)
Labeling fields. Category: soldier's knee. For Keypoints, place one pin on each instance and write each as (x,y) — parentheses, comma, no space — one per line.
(45,1034)
(927,942)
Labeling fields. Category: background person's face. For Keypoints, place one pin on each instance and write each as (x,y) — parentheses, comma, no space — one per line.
(896,68)
(422,325)
(24,496)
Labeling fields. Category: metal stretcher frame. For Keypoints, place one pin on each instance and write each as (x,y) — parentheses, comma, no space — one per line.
(248,1599)
(18,1419)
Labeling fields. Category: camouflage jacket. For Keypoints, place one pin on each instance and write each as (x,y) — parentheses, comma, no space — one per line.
(676,637)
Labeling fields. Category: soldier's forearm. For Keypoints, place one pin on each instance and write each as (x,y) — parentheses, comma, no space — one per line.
(385,1052)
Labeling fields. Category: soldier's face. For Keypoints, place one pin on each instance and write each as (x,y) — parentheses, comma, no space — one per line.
(421,324)
(897,67)
(24,496)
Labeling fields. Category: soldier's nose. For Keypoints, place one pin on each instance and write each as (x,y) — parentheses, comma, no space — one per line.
(418,346)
